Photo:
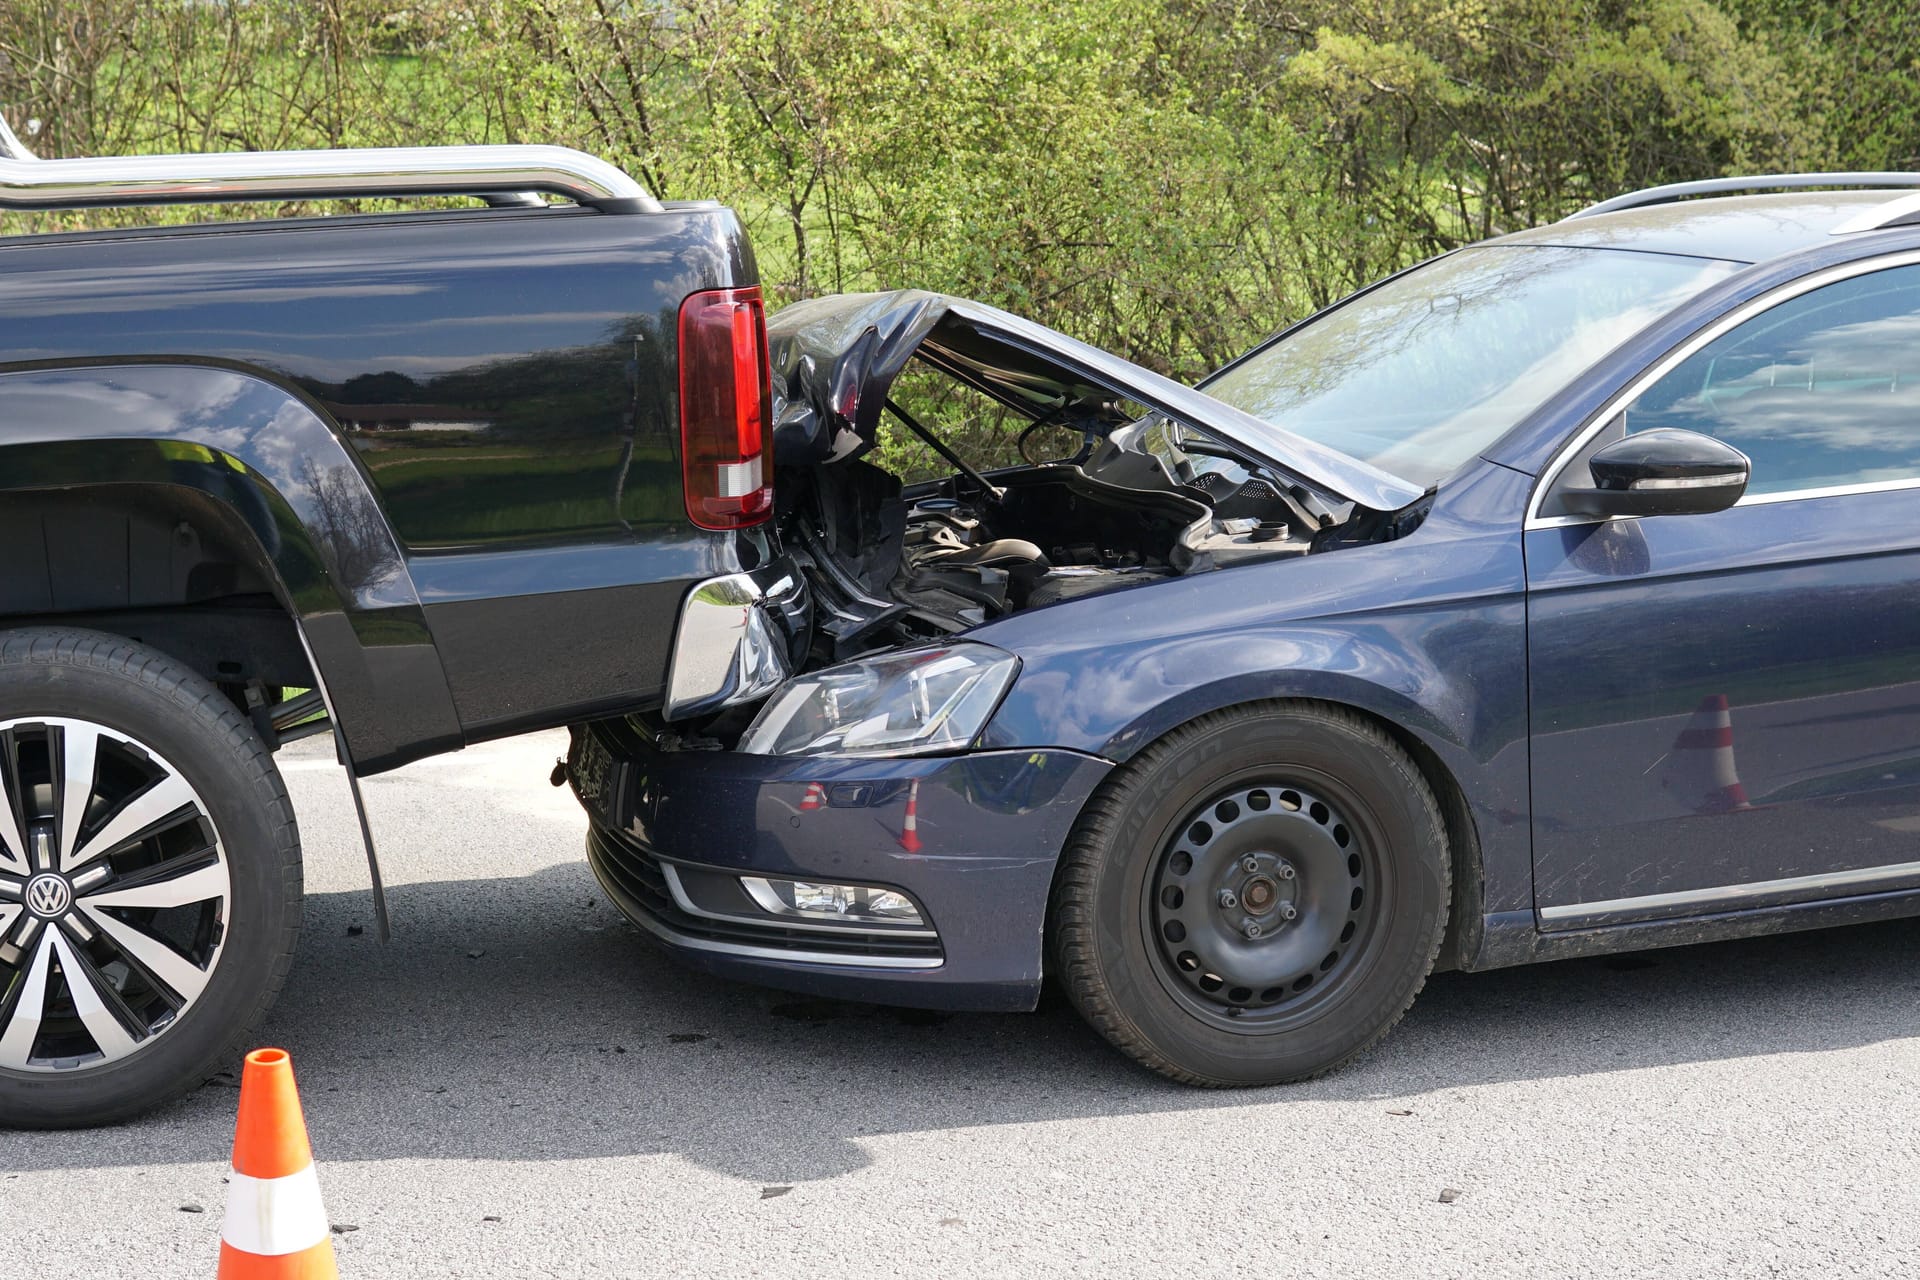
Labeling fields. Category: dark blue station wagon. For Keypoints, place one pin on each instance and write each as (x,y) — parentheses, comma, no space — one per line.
(1560,595)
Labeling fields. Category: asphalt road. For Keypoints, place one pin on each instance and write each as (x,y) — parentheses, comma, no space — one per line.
(519,1085)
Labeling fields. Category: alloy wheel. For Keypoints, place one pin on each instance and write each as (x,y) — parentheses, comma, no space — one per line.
(114,895)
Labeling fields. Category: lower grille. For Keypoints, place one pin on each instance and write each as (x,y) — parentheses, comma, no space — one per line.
(631,875)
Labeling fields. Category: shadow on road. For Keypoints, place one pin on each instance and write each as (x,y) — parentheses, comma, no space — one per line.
(567,1036)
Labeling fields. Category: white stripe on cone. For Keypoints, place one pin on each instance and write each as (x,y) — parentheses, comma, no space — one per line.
(271,1216)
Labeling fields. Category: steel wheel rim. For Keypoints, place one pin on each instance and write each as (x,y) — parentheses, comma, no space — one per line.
(115,895)
(1261,964)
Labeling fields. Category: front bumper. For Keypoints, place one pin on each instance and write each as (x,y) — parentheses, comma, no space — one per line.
(671,833)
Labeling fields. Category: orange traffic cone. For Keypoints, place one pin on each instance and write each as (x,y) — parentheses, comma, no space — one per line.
(816,795)
(910,834)
(1700,765)
(276,1227)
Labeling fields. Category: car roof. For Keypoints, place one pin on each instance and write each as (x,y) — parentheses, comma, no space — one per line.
(1748,228)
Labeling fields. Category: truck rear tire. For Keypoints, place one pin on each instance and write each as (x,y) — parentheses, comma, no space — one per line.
(149,878)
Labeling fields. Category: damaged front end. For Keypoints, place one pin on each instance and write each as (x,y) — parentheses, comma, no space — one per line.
(1168,481)
(841,834)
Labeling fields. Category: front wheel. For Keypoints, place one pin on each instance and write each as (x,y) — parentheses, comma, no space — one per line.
(149,878)
(1256,898)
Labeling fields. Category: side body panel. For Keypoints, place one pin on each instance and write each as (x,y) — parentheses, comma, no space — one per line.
(506,387)
(1723,702)
(1515,936)
(505,377)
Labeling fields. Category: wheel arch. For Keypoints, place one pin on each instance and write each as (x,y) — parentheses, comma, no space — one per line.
(1467,906)
(1466,911)
(166,565)
(269,476)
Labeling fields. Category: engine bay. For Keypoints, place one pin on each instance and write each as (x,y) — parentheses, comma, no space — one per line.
(892,564)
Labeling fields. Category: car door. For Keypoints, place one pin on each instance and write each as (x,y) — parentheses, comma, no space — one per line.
(1725,708)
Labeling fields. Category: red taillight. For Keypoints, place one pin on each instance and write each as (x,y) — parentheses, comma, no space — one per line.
(724,408)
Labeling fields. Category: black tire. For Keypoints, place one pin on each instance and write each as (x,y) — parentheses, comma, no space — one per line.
(1322,817)
(151,721)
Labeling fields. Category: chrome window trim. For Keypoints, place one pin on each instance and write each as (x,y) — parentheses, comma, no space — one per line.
(1550,474)
(788,919)
(1794,889)
(1830,491)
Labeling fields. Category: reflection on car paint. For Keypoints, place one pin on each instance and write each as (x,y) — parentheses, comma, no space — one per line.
(1700,769)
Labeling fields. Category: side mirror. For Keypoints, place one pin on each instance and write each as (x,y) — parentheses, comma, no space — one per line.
(1663,472)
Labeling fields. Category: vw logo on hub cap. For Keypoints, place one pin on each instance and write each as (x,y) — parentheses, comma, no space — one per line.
(48,895)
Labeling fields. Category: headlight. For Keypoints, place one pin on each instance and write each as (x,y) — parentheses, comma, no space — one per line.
(908,703)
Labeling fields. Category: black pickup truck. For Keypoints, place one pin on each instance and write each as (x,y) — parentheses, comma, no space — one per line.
(416,479)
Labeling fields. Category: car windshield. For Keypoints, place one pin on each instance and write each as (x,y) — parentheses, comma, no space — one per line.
(1432,367)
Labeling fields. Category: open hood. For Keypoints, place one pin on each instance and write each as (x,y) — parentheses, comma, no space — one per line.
(835,360)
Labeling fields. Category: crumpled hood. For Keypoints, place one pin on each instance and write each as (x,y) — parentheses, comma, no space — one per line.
(835,360)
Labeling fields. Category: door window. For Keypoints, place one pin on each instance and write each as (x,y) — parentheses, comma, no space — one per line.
(1820,391)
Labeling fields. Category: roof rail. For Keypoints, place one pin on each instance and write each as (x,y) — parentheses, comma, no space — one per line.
(498,174)
(1901,211)
(1730,186)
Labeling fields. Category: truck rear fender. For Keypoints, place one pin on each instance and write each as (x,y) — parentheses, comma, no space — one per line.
(279,466)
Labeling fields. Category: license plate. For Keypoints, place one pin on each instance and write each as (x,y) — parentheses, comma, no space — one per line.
(596,777)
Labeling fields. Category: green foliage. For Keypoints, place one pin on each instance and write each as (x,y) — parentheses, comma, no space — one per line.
(1856,67)
(1165,178)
